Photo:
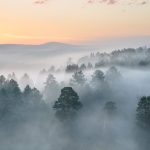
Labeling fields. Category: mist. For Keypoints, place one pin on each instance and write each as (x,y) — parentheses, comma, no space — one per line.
(103,116)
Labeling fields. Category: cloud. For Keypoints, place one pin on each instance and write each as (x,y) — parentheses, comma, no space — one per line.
(40,1)
(139,2)
(112,2)
(108,2)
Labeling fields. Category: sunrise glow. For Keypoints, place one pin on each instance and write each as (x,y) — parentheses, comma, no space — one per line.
(72,21)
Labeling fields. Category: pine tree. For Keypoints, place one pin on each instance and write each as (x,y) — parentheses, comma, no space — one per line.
(67,104)
(143,112)
(78,78)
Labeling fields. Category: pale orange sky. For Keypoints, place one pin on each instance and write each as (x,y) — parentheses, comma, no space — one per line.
(23,21)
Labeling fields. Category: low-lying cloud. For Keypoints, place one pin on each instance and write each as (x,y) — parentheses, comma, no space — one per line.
(109,2)
(112,2)
(40,1)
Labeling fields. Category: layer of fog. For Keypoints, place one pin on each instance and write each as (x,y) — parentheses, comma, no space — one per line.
(92,129)
(135,77)
(35,57)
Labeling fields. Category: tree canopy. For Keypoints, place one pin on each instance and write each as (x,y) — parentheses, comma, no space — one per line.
(68,103)
(98,76)
(143,112)
(78,78)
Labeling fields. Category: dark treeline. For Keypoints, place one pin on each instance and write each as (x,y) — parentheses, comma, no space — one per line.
(130,57)
(52,69)
(18,106)
(96,113)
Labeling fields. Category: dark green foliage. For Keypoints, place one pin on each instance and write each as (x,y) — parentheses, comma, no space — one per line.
(27,91)
(16,106)
(13,88)
(67,104)
(10,99)
(129,57)
(143,112)
(31,96)
(72,68)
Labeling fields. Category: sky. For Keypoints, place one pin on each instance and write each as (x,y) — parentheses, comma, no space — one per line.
(72,21)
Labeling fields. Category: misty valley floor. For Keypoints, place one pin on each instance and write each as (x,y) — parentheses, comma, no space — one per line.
(107,119)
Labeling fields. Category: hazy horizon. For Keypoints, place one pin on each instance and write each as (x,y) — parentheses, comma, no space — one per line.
(74,74)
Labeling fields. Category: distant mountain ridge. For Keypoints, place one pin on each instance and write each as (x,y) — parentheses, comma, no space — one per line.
(18,55)
(50,47)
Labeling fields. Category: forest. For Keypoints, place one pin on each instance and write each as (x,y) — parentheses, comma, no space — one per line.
(74,74)
(130,57)
(95,108)
(125,58)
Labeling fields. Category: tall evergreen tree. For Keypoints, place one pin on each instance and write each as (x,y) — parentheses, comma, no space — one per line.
(67,104)
(78,78)
(51,89)
(98,76)
(143,112)
(113,74)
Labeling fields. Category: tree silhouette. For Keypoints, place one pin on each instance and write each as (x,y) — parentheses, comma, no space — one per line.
(51,88)
(26,80)
(98,76)
(2,81)
(67,104)
(113,74)
(72,68)
(143,112)
(10,99)
(83,67)
(78,78)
